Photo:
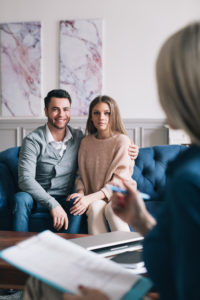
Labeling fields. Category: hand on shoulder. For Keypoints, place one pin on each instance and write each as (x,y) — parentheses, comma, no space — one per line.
(133,150)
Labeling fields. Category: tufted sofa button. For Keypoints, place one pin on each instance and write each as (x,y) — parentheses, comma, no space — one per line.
(146,172)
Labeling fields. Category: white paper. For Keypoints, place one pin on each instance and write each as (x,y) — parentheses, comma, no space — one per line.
(67,265)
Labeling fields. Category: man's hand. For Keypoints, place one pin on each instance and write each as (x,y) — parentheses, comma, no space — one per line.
(87,294)
(60,218)
(133,151)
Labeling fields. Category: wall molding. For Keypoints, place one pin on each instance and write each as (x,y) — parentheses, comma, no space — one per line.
(144,132)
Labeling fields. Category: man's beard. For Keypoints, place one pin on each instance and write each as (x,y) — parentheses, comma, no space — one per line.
(54,124)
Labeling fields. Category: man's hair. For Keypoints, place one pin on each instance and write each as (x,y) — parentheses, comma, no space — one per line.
(116,124)
(57,94)
(178,79)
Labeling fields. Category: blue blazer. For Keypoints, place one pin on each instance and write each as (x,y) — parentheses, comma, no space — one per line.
(172,248)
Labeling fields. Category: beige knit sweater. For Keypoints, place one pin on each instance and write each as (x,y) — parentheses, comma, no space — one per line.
(101,161)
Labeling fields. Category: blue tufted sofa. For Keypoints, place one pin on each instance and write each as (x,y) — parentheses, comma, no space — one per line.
(149,173)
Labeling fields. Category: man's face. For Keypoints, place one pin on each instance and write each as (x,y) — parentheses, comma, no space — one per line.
(58,113)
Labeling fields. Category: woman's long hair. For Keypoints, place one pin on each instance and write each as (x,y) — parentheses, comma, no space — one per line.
(178,79)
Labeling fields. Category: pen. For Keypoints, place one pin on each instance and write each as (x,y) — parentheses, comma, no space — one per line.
(125,192)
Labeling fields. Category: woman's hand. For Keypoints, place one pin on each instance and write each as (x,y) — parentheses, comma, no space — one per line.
(128,207)
(87,294)
(131,209)
(80,204)
(74,195)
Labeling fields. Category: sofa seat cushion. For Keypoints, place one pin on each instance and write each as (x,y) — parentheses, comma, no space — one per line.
(39,208)
(5,219)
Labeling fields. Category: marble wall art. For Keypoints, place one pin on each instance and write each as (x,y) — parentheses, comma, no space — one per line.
(81,61)
(20,56)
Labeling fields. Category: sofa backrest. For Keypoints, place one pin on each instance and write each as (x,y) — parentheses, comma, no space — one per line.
(149,171)
(150,167)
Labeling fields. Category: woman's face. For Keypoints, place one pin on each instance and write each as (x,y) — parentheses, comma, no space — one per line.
(101,117)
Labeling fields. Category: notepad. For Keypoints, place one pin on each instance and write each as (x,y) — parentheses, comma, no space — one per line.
(65,266)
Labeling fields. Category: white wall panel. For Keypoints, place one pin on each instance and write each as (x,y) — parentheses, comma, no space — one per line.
(143,132)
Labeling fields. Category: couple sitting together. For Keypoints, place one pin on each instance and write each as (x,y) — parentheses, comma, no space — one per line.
(48,163)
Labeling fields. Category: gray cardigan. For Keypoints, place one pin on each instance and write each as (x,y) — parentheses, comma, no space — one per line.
(42,172)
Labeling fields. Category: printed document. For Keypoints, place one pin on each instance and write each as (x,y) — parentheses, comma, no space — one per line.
(66,265)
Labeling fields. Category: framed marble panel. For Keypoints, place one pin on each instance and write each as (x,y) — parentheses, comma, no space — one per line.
(20,69)
(81,61)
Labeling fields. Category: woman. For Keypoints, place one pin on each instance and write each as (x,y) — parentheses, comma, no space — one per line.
(172,243)
(103,159)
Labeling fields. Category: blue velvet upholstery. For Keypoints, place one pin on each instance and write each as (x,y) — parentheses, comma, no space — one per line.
(149,172)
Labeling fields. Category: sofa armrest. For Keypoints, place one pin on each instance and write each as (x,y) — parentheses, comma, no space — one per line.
(7,186)
(10,158)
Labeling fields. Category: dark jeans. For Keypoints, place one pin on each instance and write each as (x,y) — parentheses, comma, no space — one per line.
(23,204)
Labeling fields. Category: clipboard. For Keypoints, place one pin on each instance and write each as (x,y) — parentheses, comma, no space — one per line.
(48,250)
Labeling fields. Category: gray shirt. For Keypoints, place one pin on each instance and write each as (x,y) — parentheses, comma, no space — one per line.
(43,173)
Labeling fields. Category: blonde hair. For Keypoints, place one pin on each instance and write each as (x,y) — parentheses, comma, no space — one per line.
(178,79)
(116,124)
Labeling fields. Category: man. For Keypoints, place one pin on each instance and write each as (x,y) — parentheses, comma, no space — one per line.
(48,165)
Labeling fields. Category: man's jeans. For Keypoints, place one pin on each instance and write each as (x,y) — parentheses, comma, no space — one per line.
(23,205)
